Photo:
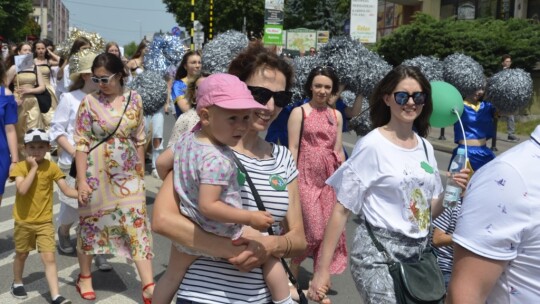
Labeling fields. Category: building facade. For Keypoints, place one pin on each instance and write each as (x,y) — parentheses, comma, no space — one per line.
(53,17)
(394,13)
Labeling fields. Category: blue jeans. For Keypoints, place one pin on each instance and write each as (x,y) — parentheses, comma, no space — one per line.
(446,276)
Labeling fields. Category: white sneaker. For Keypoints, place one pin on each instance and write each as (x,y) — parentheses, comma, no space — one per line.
(155,174)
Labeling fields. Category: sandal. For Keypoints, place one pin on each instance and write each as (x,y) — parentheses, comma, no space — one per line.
(89,295)
(145,299)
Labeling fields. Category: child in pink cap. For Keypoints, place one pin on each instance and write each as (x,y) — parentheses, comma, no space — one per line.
(208,181)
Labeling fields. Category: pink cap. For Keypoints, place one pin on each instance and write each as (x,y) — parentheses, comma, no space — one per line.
(225,91)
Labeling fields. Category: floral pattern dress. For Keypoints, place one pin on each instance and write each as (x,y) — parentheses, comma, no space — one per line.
(115,219)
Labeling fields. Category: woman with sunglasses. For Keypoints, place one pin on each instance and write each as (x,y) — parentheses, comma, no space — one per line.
(225,279)
(315,142)
(110,178)
(391,180)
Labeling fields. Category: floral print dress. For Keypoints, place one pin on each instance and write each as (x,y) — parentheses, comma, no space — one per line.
(115,219)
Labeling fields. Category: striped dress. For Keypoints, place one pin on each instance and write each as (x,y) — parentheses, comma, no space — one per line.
(209,281)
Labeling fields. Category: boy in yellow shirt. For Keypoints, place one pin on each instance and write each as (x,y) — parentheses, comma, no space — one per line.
(33,211)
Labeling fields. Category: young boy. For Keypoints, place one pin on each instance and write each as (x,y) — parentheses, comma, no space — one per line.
(33,211)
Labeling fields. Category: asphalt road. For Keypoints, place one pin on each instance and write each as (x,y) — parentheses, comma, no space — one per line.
(121,285)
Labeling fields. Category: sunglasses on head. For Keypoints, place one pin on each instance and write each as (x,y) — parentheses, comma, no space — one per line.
(103,80)
(402,98)
(263,95)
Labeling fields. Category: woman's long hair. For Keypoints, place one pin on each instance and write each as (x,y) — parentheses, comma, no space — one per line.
(380,113)
(181,72)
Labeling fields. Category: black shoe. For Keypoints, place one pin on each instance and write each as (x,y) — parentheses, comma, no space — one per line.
(61,300)
(512,137)
(18,292)
(494,149)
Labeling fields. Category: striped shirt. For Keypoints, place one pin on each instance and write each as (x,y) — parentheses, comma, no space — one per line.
(208,281)
(447,223)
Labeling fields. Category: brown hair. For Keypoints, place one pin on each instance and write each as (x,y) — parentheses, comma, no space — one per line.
(380,113)
(181,72)
(192,87)
(327,71)
(256,57)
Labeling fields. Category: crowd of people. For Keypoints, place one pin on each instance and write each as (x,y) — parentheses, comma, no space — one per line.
(233,204)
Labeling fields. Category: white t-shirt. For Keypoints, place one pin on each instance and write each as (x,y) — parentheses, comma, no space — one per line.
(392,186)
(63,122)
(500,220)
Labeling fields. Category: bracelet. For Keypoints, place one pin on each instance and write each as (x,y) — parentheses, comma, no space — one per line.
(289,246)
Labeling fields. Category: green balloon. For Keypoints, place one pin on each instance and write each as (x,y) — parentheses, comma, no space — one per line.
(446,102)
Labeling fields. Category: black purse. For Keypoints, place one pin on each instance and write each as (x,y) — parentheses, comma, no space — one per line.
(420,282)
(260,205)
(44,98)
(73,168)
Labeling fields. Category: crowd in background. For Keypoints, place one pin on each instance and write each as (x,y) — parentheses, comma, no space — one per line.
(72,120)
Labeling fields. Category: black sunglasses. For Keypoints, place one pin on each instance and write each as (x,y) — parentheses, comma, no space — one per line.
(263,95)
(402,98)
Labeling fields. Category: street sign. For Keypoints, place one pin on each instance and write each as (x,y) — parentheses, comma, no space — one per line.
(176,31)
(198,40)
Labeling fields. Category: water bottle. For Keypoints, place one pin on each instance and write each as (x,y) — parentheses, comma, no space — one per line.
(452,192)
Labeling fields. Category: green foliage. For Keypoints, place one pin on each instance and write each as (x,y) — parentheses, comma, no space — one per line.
(14,23)
(485,40)
(229,14)
(129,49)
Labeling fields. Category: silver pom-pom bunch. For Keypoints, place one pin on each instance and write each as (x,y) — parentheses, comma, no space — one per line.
(430,66)
(164,53)
(97,42)
(302,66)
(341,53)
(218,53)
(361,124)
(152,88)
(464,73)
(371,68)
(510,90)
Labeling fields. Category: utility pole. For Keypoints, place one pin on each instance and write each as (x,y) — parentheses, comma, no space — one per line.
(43,33)
(192,24)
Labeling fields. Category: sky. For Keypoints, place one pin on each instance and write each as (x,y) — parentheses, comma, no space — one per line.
(122,21)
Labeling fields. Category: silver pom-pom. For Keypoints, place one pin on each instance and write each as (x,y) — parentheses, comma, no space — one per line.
(152,88)
(302,66)
(348,98)
(371,68)
(464,73)
(218,53)
(341,53)
(510,90)
(164,53)
(361,124)
(97,42)
(430,66)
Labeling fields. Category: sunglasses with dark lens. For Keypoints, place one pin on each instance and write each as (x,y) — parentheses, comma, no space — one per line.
(263,95)
(402,98)
(103,80)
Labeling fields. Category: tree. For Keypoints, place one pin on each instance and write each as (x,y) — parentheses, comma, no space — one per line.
(130,48)
(229,14)
(14,18)
(485,40)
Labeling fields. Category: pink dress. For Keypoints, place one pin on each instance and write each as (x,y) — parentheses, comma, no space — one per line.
(317,161)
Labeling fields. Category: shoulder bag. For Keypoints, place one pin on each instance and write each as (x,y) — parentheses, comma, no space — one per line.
(414,283)
(44,98)
(73,168)
(260,205)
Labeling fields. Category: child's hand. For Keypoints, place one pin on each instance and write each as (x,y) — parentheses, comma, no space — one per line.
(85,193)
(32,161)
(261,220)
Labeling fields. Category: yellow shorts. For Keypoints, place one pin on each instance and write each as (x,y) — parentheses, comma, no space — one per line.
(27,235)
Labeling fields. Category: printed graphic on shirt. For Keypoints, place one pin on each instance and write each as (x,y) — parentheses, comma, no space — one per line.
(416,207)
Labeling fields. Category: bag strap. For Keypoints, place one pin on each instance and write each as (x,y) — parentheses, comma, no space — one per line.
(301,131)
(261,207)
(117,126)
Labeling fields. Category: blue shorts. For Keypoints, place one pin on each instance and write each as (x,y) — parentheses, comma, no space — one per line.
(478,155)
